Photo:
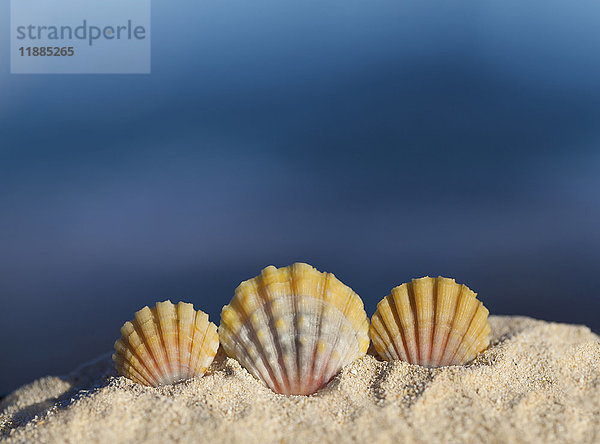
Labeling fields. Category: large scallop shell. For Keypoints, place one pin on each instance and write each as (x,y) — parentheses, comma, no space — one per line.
(430,322)
(166,344)
(294,328)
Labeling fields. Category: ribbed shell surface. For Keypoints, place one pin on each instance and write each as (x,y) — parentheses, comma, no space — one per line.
(166,344)
(430,322)
(294,328)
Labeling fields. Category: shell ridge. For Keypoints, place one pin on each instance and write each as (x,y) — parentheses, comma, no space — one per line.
(166,366)
(322,289)
(341,321)
(451,290)
(433,331)
(239,343)
(176,363)
(191,345)
(196,361)
(474,331)
(121,361)
(270,376)
(150,331)
(267,308)
(349,354)
(304,291)
(177,369)
(448,354)
(304,355)
(211,334)
(380,338)
(413,308)
(140,331)
(164,345)
(246,358)
(135,375)
(294,342)
(290,370)
(322,370)
(424,287)
(450,359)
(400,348)
(206,352)
(352,298)
(401,297)
(254,335)
(396,315)
(382,333)
(483,339)
(442,345)
(181,326)
(122,348)
(323,375)
(139,358)
(277,375)
(196,340)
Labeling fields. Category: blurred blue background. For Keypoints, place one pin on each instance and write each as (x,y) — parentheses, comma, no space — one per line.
(378,140)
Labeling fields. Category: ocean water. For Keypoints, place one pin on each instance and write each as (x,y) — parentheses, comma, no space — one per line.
(380,141)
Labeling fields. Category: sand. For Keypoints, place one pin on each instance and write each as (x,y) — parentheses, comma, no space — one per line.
(538,382)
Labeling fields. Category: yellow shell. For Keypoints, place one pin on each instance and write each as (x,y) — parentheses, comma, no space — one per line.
(166,344)
(294,328)
(430,322)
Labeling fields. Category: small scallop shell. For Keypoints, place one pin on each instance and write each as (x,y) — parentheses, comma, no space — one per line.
(294,328)
(166,344)
(430,322)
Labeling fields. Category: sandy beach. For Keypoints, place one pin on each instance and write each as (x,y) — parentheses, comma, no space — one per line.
(538,382)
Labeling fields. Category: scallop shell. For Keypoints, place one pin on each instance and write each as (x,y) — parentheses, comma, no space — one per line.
(430,322)
(294,328)
(166,344)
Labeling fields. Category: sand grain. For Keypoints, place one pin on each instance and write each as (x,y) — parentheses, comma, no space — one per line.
(538,382)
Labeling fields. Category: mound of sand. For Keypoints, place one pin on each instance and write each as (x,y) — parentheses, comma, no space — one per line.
(538,382)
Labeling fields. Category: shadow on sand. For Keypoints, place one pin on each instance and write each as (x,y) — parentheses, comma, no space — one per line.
(28,402)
